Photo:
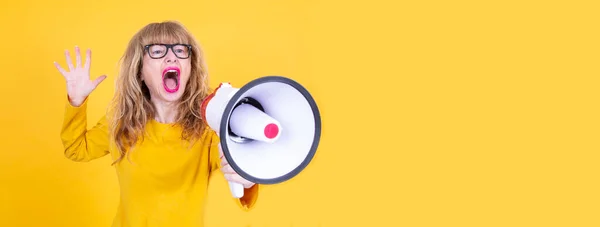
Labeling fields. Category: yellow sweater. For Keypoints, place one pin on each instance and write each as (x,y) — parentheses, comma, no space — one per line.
(162,183)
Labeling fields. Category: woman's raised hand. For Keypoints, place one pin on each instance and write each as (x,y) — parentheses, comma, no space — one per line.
(79,84)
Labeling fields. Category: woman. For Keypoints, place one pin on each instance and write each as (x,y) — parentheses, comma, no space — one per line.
(163,152)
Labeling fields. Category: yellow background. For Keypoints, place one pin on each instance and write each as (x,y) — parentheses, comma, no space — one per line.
(435,113)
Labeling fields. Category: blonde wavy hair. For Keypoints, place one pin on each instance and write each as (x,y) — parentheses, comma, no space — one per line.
(131,108)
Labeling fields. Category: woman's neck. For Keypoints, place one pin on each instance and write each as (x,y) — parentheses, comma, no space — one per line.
(166,112)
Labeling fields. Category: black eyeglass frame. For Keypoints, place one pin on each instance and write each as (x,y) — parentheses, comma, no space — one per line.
(169,46)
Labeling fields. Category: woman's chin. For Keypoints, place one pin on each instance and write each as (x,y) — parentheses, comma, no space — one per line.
(171,94)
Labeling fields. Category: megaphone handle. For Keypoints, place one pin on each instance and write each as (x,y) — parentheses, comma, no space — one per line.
(237,189)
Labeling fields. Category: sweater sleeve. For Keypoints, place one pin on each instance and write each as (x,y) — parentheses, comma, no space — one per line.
(81,144)
(247,201)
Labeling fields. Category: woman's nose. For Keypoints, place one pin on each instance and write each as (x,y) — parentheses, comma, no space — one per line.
(170,56)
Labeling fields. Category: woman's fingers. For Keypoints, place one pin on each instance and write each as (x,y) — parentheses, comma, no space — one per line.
(220,151)
(88,59)
(222,156)
(60,69)
(238,179)
(226,169)
(77,57)
(230,174)
(69,61)
(99,80)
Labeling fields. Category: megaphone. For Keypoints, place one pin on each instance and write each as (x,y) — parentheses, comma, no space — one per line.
(269,129)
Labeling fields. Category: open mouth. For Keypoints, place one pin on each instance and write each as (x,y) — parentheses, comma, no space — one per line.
(171,79)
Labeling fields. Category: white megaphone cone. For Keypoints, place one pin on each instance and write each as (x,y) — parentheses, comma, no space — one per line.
(249,122)
(269,129)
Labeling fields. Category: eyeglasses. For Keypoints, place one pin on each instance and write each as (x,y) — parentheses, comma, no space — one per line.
(159,50)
